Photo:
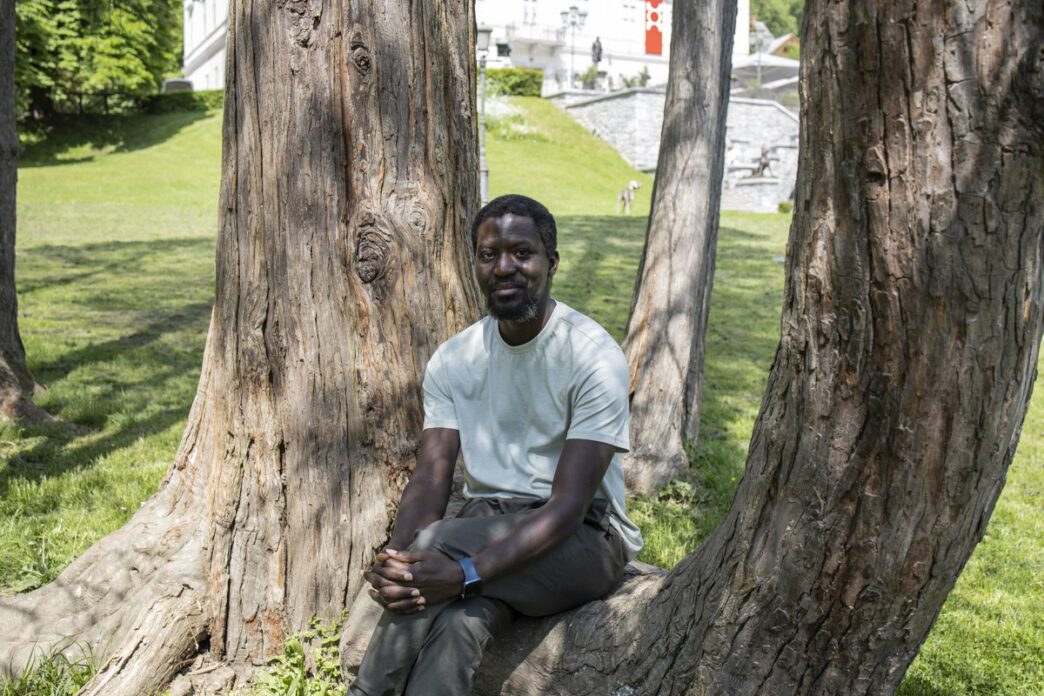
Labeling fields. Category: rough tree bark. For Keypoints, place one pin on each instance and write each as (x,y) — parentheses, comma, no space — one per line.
(349,178)
(16,384)
(668,321)
(911,328)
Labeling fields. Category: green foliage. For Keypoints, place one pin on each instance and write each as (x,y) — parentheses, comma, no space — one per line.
(293,674)
(780,16)
(589,78)
(641,79)
(115,276)
(203,100)
(67,48)
(53,675)
(786,207)
(514,82)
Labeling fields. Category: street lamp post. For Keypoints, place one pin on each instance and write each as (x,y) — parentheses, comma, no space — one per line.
(761,36)
(482,46)
(574,19)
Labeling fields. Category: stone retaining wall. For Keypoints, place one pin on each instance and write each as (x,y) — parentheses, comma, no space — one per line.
(631,120)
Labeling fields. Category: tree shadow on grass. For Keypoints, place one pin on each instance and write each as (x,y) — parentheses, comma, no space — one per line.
(123,133)
(599,260)
(74,264)
(130,379)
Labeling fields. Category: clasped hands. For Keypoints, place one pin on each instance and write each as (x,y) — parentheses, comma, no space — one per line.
(406,582)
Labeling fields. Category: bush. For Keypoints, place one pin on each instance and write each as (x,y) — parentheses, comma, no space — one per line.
(515,82)
(204,100)
(641,79)
(786,207)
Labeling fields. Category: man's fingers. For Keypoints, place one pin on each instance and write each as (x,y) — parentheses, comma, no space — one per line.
(404,556)
(394,571)
(410,605)
(393,593)
(377,580)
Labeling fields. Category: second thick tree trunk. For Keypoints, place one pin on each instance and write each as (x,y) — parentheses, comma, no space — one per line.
(665,332)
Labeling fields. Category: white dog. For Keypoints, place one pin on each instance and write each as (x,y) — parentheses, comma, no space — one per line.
(626,197)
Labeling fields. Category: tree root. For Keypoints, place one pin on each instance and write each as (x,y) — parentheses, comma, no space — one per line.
(135,595)
(21,409)
(165,633)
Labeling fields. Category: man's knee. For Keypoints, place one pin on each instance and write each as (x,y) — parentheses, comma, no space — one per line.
(455,537)
(429,538)
(469,624)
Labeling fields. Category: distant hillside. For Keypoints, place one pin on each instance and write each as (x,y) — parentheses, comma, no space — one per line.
(537,150)
(172,161)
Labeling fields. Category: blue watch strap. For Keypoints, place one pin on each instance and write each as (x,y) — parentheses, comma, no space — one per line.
(472,582)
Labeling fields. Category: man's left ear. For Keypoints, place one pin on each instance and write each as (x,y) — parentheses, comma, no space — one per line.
(554,263)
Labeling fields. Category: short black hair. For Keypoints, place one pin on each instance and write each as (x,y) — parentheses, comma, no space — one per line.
(516,204)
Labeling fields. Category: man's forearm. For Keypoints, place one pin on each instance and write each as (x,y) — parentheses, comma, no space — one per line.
(540,532)
(423,502)
(581,467)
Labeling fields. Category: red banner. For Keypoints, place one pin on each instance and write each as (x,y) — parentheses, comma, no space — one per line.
(653,28)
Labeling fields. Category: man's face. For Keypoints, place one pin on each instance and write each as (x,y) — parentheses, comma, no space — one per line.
(512,268)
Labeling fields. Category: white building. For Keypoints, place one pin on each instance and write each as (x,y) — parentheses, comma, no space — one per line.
(205,26)
(634,35)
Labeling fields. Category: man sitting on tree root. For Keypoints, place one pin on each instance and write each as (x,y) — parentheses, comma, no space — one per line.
(534,396)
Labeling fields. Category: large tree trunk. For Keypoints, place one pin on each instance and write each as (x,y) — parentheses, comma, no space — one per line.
(16,384)
(665,332)
(910,335)
(349,177)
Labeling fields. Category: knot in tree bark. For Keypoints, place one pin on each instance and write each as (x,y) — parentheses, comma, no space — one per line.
(360,52)
(371,248)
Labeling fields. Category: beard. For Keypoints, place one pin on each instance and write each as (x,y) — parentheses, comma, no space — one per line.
(524,308)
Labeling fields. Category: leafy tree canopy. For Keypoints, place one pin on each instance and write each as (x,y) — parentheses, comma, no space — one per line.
(780,16)
(68,47)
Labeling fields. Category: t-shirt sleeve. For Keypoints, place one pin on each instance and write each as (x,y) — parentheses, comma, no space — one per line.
(600,407)
(439,411)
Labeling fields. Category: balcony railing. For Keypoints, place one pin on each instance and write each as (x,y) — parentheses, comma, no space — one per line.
(535,34)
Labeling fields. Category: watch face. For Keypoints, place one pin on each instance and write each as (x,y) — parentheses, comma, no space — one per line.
(472,581)
(472,588)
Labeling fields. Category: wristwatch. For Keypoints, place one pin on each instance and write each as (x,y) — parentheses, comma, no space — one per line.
(472,581)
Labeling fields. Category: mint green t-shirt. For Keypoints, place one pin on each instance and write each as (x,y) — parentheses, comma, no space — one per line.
(515,407)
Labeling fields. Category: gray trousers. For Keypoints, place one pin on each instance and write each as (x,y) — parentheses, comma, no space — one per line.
(438,650)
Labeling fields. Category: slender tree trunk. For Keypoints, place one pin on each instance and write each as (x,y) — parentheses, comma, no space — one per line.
(349,177)
(910,335)
(665,332)
(16,384)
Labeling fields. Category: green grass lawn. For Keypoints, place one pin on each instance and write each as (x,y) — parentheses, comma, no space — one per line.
(117,220)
